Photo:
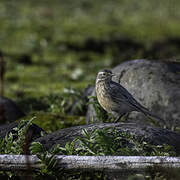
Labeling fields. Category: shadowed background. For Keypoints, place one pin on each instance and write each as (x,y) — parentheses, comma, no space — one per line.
(53,49)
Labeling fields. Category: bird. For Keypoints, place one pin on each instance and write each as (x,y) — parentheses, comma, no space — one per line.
(116,99)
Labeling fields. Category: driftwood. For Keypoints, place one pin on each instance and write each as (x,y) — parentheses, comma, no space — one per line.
(90,163)
(152,135)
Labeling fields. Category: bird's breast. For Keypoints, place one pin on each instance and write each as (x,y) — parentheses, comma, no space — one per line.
(104,98)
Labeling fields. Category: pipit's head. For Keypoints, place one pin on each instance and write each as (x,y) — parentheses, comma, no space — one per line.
(104,75)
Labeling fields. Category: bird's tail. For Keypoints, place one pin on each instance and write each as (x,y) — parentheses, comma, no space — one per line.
(147,113)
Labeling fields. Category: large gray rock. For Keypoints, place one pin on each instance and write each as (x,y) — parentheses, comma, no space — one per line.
(155,84)
(149,134)
(9,111)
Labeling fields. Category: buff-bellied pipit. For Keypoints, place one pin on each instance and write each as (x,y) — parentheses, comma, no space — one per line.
(115,99)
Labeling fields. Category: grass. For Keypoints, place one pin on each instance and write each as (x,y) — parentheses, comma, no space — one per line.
(40,23)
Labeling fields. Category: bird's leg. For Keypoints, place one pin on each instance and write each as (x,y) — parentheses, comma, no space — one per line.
(126,116)
(119,117)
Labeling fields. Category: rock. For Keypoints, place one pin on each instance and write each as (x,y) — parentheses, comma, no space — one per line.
(152,135)
(155,84)
(9,111)
(33,132)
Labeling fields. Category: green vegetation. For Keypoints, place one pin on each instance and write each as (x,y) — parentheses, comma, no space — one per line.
(107,141)
(9,145)
(56,111)
(33,25)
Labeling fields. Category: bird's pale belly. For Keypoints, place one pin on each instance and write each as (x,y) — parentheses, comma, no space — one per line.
(105,100)
(106,104)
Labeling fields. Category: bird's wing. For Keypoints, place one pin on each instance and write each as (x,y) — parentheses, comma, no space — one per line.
(120,94)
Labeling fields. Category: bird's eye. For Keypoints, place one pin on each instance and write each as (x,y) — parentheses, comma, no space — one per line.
(102,73)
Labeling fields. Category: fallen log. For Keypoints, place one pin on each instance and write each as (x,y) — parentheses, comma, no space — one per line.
(90,163)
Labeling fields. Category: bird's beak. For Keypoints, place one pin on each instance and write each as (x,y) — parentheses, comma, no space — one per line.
(113,74)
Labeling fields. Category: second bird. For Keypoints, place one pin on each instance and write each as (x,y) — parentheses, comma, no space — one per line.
(115,99)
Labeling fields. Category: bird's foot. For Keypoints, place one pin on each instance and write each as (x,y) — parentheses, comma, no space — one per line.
(122,117)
